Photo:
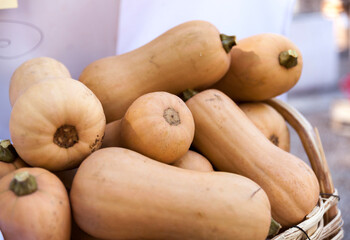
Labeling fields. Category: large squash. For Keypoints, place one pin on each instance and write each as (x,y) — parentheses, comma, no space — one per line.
(33,71)
(158,125)
(269,122)
(120,194)
(56,124)
(190,55)
(262,66)
(34,205)
(232,143)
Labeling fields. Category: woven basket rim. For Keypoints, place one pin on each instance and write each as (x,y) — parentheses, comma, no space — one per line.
(313,225)
(325,221)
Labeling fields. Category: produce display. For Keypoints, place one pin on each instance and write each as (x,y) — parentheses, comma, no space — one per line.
(117,154)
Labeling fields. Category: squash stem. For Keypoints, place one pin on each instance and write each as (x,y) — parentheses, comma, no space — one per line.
(227,42)
(23,183)
(8,153)
(187,94)
(288,59)
(274,228)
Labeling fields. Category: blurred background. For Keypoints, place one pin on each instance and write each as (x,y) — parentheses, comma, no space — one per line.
(79,32)
(322,30)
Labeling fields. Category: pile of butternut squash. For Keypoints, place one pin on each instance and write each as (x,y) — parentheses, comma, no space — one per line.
(169,141)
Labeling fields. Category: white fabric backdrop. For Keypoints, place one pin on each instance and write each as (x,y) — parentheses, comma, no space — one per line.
(78,32)
(73,32)
(143,20)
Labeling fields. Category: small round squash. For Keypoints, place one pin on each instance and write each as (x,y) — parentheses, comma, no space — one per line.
(158,125)
(262,66)
(34,205)
(194,161)
(9,160)
(269,122)
(56,124)
(33,71)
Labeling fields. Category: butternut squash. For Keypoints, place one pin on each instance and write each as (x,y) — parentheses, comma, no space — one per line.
(158,125)
(120,194)
(33,71)
(190,55)
(112,135)
(56,124)
(194,161)
(9,160)
(262,66)
(232,143)
(269,122)
(34,205)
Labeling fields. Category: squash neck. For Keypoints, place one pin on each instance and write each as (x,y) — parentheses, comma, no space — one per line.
(227,42)
(23,184)
(288,59)
(8,153)
(66,136)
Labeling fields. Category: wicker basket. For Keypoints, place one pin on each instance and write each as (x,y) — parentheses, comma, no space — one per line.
(325,221)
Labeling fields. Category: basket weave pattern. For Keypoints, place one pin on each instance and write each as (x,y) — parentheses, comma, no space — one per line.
(325,221)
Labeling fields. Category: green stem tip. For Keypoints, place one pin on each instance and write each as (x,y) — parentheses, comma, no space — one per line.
(23,183)
(8,153)
(288,59)
(228,42)
(187,94)
(274,228)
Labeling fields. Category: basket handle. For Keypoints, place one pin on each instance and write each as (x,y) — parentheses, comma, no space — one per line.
(312,146)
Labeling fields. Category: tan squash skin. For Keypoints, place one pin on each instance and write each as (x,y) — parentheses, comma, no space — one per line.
(255,73)
(33,71)
(158,125)
(41,215)
(6,168)
(120,194)
(269,122)
(232,143)
(37,119)
(194,161)
(189,55)
(112,134)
